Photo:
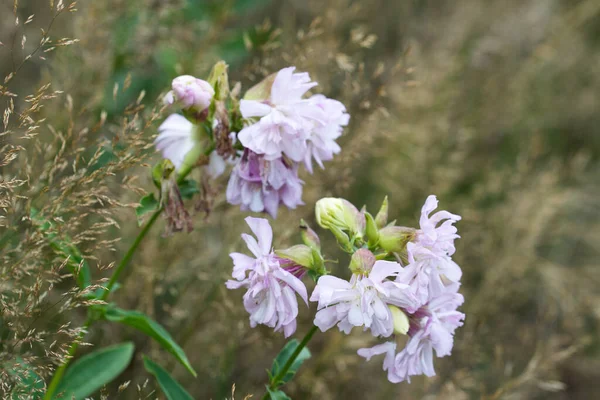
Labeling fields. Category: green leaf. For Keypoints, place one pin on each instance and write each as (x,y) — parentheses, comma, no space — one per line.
(277,394)
(151,328)
(188,188)
(63,246)
(282,358)
(29,385)
(170,387)
(148,204)
(94,370)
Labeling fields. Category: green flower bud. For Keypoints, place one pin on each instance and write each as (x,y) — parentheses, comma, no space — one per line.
(382,215)
(300,254)
(401,322)
(361,262)
(371,230)
(341,214)
(219,80)
(309,237)
(395,238)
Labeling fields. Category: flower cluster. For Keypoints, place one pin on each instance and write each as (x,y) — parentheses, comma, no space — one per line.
(267,135)
(403,282)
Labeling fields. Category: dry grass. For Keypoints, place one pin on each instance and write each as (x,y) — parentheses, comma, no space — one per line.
(490,105)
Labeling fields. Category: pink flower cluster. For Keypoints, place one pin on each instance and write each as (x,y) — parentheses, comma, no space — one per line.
(419,299)
(280,133)
(283,131)
(434,280)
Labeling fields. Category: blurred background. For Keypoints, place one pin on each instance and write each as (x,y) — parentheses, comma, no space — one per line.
(492,105)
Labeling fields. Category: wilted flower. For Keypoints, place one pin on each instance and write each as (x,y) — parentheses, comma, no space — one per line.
(190,93)
(178,218)
(321,142)
(363,301)
(271,296)
(431,329)
(258,184)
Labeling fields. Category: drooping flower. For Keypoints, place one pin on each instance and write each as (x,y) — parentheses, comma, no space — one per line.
(258,184)
(190,93)
(176,139)
(271,295)
(286,119)
(431,329)
(321,144)
(363,301)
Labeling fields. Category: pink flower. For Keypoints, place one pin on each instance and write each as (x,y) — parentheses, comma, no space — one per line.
(321,143)
(271,296)
(175,139)
(258,184)
(431,329)
(286,119)
(437,232)
(190,92)
(431,270)
(363,301)
(427,273)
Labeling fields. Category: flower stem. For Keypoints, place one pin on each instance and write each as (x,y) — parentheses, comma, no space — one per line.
(273,383)
(89,321)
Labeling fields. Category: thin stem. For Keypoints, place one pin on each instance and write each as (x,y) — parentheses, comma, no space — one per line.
(290,361)
(89,321)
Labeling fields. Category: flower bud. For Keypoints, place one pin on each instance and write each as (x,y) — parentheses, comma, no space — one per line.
(219,80)
(299,254)
(382,216)
(190,93)
(341,214)
(395,238)
(371,230)
(401,322)
(309,237)
(361,262)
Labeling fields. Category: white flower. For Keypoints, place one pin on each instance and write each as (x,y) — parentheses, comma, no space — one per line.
(363,301)
(175,139)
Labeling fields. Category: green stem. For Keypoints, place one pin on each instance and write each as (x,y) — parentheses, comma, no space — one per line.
(89,321)
(273,383)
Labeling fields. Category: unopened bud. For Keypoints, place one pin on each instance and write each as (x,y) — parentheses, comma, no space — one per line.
(299,254)
(395,238)
(401,322)
(309,237)
(362,262)
(219,80)
(339,213)
(371,230)
(191,94)
(382,216)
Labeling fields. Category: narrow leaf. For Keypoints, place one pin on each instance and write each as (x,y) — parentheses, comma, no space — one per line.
(145,324)
(170,387)
(282,358)
(94,370)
